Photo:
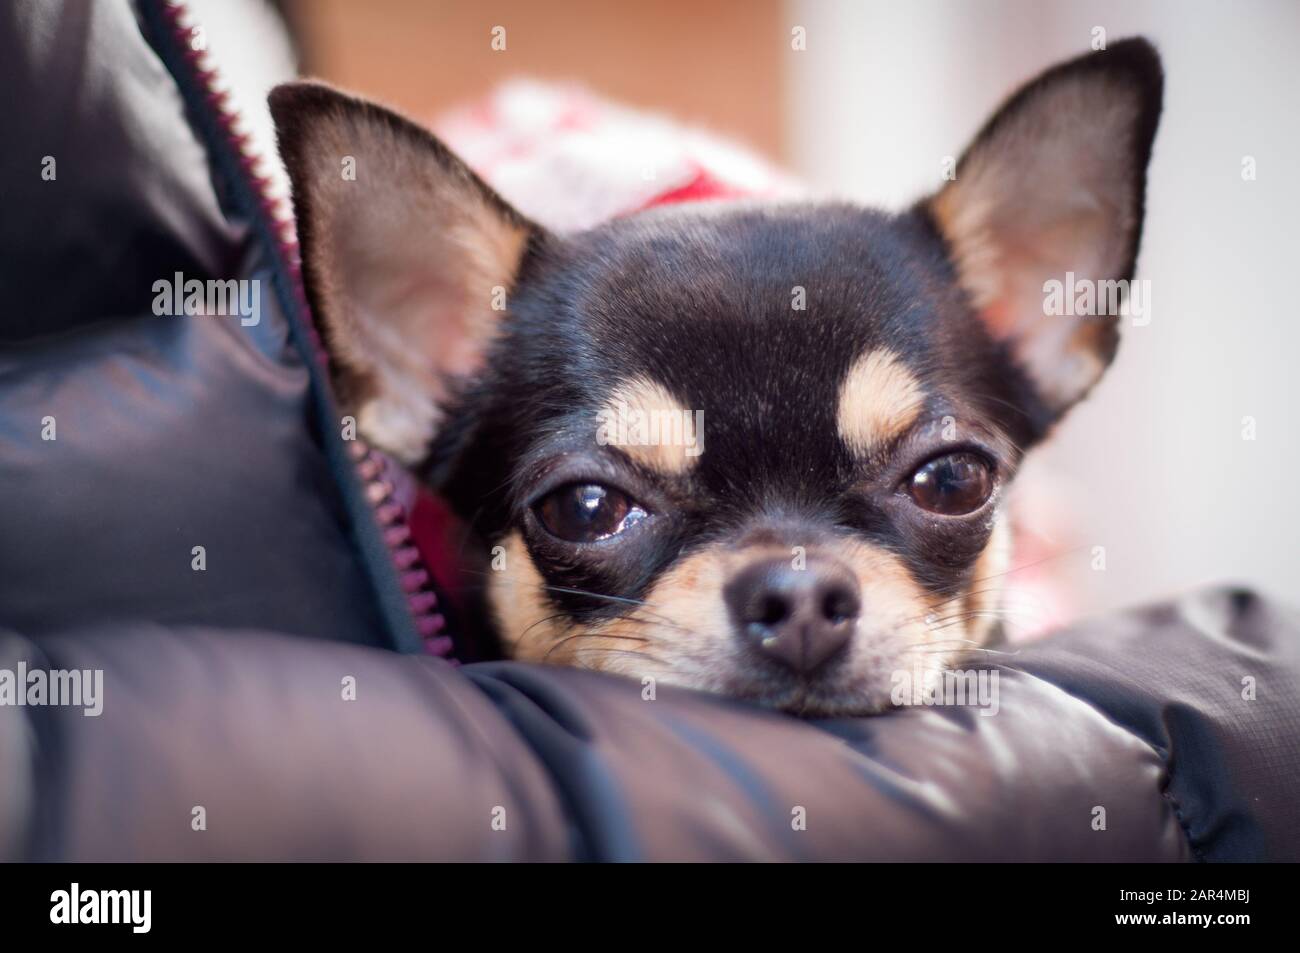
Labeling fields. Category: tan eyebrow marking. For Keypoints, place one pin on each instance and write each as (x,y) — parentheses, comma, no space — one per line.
(651,426)
(879,399)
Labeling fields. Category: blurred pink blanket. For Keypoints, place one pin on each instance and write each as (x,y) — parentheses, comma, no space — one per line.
(569,160)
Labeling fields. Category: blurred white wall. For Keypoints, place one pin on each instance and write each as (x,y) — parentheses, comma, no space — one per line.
(1154,463)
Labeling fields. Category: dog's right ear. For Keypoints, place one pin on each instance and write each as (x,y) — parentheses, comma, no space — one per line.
(407,257)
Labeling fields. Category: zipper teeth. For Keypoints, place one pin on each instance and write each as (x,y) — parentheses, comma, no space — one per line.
(372,466)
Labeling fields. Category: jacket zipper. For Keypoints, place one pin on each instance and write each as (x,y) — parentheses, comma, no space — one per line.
(276,217)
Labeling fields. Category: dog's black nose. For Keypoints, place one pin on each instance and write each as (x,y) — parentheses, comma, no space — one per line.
(801,617)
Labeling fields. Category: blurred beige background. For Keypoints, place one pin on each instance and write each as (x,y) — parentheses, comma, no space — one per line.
(1154,467)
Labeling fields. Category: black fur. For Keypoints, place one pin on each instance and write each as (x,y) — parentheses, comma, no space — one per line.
(698,298)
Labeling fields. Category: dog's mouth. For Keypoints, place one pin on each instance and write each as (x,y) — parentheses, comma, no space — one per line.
(880,669)
(810,700)
(817,695)
(867,680)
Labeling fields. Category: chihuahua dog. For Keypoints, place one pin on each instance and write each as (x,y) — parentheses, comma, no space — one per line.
(761,449)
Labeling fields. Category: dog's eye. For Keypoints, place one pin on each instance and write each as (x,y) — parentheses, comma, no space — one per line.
(952,485)
(586,512)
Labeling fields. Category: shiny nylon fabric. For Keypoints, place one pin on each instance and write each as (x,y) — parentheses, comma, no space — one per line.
(170,432)
(1131,713)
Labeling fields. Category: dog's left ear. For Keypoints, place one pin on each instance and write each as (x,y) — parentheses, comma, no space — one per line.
(407,257)
(1055,182)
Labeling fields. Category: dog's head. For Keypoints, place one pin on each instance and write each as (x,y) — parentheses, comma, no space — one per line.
(758,450)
